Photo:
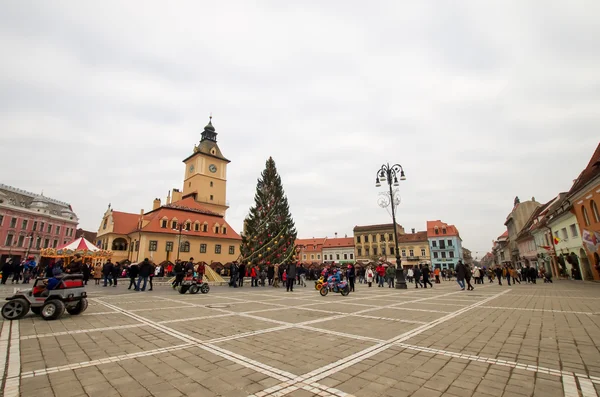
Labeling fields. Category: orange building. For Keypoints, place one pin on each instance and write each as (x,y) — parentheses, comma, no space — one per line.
(311,249)
(190,224)
(585,198)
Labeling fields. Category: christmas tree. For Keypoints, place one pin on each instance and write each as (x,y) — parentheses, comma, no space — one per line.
(270,233)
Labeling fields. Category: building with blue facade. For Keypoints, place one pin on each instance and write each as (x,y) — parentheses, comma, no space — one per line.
(445,244)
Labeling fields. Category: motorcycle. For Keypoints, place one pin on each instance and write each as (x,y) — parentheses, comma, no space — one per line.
(342,287)
(319,283)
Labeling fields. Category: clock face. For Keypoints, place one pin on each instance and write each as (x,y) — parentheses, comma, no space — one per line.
(212,168)
(191,168)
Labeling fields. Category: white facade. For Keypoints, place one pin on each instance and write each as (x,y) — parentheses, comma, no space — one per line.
(566,228)
(338,254)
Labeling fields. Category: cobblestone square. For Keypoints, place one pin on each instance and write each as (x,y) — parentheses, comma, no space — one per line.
(524,340)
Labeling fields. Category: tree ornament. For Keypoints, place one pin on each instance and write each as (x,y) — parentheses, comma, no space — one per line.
(260,255)
(268,248)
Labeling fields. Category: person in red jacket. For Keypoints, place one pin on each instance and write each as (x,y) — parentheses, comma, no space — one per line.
(381,274)
(254,276)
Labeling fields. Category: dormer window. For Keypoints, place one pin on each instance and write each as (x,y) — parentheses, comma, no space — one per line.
(196,227)
(217,229)
(205,227)
(173,224)
(163,223)
(444,231)
(437,231)
(224,230)
(188,226)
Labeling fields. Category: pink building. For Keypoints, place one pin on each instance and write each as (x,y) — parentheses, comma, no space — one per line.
(29,222)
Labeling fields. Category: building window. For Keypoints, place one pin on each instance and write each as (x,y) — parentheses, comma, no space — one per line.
(437,230)
(34,226)
(411,253)
(337,257)
(163,224)
(351,256)
(137,246)
(443,230)
(173,224)
(391,237)
(57,230)
(382,237)
(169,246)
(205,227)
(211,197)
(366,238)
(217,248)
(312,256)
(203,248)
(435,255)
(423,252)
(442,244)
(366,251)
(24,224)
(38,242)
(211,184)
(13,222)
(434,244)
(391,250)
(345,256)
(403,252)
(188,226)
(383,251)
(304,256)
(443,254)
(196,227)
(9,240)
(49,228)
(451,254)
(319,256)
(21,240)
(217,229)
(574,232)
(153,245)
(46,243)
(374,250)
(54,243)
(231,248)
(586,218)
(1,219)
(224,230)
(185,246)
(449,243)
(104,224)
(564,233)
(359,251)
(595,211)
(358,239)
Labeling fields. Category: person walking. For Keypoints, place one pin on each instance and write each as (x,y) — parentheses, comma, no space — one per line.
(436,273)
(7,270)
(380,275)
(233,274)
(253,276)
(410,274)
(107,272)
(390,274)
(271,274)
(241,274)
(417,276)
(426,273)
(461,273)
(468,276)
(370,276)
(301,275)
(133,272)
(144,273)
(87,271)
(291,276)
(351,274)
(498,271)
(116,273)
(97,273)
(179,273)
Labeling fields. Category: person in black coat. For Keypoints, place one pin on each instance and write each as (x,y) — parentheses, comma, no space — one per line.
(291,277)
(351,274)
(468,276)
(133,272)
(107,272)
(241,274)
(271,274)
(461,273)
(7,270)
(116,273)
(417,276)
(145,271)
(426,274)
(86,270)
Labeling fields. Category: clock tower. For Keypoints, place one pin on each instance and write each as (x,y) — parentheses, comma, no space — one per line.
(206,173)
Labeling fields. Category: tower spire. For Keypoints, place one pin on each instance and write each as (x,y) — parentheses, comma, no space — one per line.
(209,131)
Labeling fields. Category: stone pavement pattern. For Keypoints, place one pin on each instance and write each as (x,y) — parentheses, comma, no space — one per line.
(525,340)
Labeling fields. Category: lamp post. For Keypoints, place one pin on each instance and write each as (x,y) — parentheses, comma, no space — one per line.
(180,226)
(390,174)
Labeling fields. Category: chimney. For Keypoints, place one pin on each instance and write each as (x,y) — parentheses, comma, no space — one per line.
(169,197)
(156,204)
(335,234)
(176,195)
(413,230)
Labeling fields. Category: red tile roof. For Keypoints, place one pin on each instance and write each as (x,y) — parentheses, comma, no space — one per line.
(311,244)
(155,219)
(339,242)
(451,230)
(590,172)
(505,234)
(124,222)
(412,237)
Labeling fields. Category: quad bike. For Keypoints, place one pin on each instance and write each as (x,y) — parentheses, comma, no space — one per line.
(332,285)
(319,283)
(68,295)
(194,285)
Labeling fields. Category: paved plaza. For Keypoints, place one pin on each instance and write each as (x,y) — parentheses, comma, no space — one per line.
(524,340)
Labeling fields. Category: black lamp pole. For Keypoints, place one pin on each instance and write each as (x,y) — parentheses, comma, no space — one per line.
(180,228)
(390,174)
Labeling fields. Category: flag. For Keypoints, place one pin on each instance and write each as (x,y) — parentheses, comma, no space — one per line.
(556,240)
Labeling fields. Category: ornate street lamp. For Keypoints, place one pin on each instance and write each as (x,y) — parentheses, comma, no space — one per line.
(391,174)
(180,227)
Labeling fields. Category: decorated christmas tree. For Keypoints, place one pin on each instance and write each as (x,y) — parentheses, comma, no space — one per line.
(270,233)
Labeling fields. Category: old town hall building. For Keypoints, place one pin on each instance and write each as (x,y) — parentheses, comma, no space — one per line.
(190,224)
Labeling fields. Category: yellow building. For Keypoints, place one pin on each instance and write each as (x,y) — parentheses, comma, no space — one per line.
(375,241)
(414,248)
(190,224)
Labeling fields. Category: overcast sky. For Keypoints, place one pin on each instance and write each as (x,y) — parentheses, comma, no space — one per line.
(479,101)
